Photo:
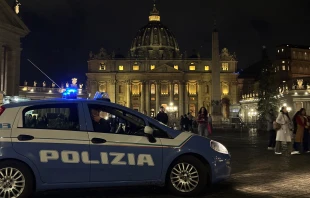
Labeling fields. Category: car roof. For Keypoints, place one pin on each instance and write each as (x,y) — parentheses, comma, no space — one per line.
(53,101)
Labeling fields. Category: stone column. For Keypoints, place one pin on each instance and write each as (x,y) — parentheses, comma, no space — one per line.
(186,104)
(147,98)
(142,104)
(181,98)
(157,96)
(112,84)
(201,85)
(171,91)
(117,84)
(128,94)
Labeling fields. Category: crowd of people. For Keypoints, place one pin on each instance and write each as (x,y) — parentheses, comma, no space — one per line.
(202,124)
(294,132)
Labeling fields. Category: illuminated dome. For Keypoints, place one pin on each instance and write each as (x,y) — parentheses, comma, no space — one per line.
(155,41)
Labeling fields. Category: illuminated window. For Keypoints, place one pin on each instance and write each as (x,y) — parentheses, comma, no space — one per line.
(207,68)
(282,50)
(135,89)
(278,51)
(225,66)
(153,91)
(176,89)
(283,61)
(102,66)
(135,67)
(283,67)
(152,67)
(192,88)
(121,67)
(288,68)
(176,67)
(192,67)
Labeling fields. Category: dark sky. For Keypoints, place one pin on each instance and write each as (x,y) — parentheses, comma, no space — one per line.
(64,31)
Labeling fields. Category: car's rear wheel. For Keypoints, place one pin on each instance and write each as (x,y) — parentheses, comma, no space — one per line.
(16,180)
(187,176)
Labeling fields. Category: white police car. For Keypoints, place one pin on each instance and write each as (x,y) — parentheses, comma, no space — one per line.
(61,143)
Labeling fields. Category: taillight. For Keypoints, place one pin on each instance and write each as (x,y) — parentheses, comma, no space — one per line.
(2,108)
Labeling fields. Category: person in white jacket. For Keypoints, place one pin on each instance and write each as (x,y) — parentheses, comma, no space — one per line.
(284,134)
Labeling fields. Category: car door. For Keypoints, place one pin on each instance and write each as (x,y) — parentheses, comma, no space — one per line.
(121,156)
(53,136)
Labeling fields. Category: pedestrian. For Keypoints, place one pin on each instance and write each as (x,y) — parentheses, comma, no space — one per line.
(162,116)
(182,123)
(270,117)
(284,127)
(295,129)
(306,138)
(302,125)
(190,121)
(186,122)
(203,122)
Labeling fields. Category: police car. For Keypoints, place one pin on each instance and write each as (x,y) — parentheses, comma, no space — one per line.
(77,143)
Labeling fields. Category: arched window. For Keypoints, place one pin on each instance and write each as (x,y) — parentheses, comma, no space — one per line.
(153,89)
(176,89)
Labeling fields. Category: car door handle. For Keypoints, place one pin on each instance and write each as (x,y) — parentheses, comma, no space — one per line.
(98,141)
(25,137)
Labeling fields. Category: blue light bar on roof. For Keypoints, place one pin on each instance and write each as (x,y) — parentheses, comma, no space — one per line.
(70,93)
(102,96)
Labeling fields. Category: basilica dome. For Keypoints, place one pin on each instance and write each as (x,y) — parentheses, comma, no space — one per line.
(155,41)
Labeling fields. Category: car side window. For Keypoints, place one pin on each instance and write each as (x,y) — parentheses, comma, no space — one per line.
(110,120)
(53,116)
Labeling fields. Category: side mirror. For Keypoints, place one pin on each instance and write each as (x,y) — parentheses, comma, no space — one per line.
(148,130)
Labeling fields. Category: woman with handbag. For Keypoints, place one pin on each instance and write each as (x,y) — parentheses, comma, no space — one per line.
(284,127)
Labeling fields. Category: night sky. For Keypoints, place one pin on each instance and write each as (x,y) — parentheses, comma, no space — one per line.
(64,31)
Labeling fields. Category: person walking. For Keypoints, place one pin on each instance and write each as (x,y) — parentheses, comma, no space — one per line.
(302,125)
(306,138)
(270,117)
(284,132)
(203,122)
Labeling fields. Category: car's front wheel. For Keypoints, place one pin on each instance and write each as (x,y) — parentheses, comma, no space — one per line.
(16,180)
(188,176)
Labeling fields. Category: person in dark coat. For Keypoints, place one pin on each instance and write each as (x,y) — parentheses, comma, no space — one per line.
(186,123)
(162,116)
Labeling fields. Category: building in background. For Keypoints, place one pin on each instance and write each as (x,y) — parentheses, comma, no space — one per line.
(292,67)
(39,91)
(155,73)
(12,29)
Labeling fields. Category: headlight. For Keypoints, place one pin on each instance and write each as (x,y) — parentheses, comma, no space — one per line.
(218,147)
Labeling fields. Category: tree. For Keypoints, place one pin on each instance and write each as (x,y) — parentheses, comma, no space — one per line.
(268,91)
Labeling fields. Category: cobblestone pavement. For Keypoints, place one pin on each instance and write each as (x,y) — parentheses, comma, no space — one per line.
(257,172)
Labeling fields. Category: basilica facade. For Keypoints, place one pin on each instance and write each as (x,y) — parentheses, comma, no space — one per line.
(155,73)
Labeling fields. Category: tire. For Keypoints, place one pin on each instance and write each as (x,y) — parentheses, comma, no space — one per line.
(20,172)
(196,178)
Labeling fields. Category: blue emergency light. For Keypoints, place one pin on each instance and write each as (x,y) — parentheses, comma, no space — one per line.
(70,93)
(102,96)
